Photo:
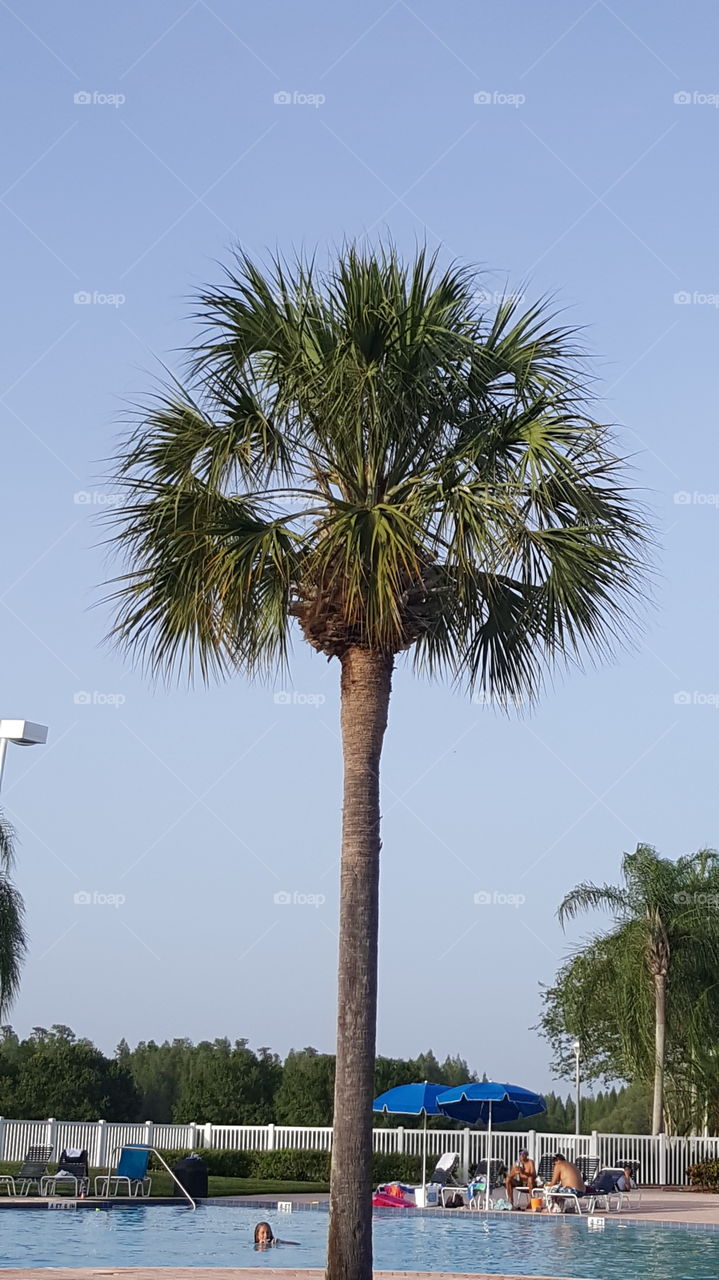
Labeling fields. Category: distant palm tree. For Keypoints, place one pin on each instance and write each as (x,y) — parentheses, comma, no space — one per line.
(664,946)
(13,942)
(368,453)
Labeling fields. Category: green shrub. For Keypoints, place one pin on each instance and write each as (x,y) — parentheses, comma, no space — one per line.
(399,1169)
(220,1164)
(294,1166)
(704,1174)
(291,1165)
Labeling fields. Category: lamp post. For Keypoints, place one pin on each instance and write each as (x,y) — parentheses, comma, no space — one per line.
(23,733)
(577,1048)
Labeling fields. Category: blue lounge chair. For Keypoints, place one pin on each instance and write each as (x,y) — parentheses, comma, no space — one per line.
(131,1169)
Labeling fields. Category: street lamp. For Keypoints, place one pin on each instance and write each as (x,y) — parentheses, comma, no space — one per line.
(23,733)
(577,1047)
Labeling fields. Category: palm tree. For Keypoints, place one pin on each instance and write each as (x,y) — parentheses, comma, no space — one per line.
(13,943)
(365,453)
(656,968)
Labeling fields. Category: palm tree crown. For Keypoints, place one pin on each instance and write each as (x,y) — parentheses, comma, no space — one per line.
(367,452)
(647,988)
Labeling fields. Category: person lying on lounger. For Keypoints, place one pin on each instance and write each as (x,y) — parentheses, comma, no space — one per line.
(610,1180)
(264,1239)
(566,1177)
(522,1174)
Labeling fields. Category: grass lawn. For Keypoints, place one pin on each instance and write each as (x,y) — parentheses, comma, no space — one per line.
(162,1184)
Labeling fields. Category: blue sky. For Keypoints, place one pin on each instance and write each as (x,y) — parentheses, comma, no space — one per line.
(584,169)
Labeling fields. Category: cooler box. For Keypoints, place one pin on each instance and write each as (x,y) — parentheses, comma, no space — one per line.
(426,1197)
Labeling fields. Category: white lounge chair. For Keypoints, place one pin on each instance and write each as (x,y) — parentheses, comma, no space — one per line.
(442,1179)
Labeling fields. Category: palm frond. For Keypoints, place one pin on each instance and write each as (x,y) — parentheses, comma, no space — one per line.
(588,897)
(364,450)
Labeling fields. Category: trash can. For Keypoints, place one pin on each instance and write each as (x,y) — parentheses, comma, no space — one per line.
(191,1172)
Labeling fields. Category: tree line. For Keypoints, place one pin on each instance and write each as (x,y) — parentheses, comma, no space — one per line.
(56,1073)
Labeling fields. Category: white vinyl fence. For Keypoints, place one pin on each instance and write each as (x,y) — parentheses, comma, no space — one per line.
(663,1161)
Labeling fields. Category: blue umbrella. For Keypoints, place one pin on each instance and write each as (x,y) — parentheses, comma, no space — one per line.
(485,1102)
(412,1100)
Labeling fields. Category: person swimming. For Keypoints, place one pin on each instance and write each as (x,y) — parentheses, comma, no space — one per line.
(265,1239)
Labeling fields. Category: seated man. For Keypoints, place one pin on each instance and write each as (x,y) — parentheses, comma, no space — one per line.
(522,1174)
(566,1177)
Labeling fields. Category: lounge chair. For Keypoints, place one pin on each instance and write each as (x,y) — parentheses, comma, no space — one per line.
(31,1172)
(608,1178)
(443,1179)
(589,1168)
(131,1170)
(497,1171)
(445,1169)
(72,1171)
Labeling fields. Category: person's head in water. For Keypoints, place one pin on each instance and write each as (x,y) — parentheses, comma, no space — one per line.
(263,1233)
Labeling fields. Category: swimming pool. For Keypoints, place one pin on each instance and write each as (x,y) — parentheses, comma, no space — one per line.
(221,1236)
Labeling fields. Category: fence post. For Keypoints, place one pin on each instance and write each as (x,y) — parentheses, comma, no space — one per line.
(662,1161)
(149,1133)
(193,1136)
(270,1137)
(2,1137)
(465,1154)
(51,1135)
(594,1145)
(207,1139)
(101,1144)
(399,1146)
(532,1145)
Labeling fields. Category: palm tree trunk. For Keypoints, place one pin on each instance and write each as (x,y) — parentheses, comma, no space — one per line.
(660,1032)
(365,692)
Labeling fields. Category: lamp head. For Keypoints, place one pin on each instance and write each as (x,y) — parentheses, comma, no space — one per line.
(24,733)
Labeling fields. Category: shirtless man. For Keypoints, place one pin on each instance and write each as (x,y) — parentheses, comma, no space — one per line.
(566,1176)
(522,1174)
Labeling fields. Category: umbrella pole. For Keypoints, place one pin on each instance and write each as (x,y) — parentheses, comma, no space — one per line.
(489,1158)
(424,1153)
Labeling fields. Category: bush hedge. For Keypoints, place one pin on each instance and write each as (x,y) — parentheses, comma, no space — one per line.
(704,1174)
(294,1166)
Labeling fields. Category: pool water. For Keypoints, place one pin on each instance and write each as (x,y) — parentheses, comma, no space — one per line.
(221,1236)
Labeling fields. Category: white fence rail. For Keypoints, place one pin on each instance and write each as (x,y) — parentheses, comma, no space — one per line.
(662,1161)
